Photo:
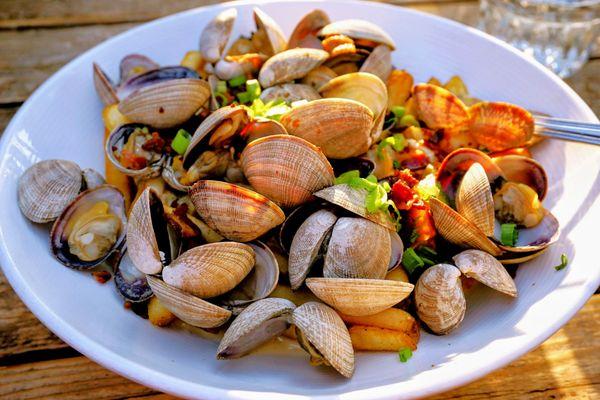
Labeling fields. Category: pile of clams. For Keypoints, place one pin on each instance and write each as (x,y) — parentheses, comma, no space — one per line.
(320,195)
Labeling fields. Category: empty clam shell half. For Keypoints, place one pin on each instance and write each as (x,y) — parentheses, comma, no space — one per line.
(215,35)
(286,169)
(306,245)
(289,65)
(379,62)
(532,239)
(90,228)
(439,298)
(324,335)
(47,187)
(259,322)
(346,256)
(104,87)
(358,29)
(474,199)
(133,65)
(305,32)
(188,308)
(340,127)
(235,212)
(166,104)
(359,297)
(211,269)
(484,268)
(354,200)
(275,37)
(458,230)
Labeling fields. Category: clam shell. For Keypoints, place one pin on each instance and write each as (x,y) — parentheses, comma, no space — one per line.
(211,269)
(289,92)
(397,247)
(439,298)
(133,65)
(379,62)
(532,239)
(286,169)
(130,282)
(166,104)
(319,77)
(104,87)
(152,77)
(474,199)
(289,65)
(305,32)
(484,268)
(340,127)
(354,201)
(216,34)
(259,322)
(358,29)
(306,245)
(358,297)
(510,258)
(116,139)
(262,127)
(235,212)
(92,178)
(346,256)
(458,230)
(499,126)
(521,169)
(274,33)
(63,225)
(46,188)
(233,66)
(259,283)
(188,308)
(326,331)
(438,107)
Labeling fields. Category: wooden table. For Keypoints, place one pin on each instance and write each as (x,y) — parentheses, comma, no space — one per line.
(37,37)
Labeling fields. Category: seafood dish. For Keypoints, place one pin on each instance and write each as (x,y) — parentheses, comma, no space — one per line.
(303,188)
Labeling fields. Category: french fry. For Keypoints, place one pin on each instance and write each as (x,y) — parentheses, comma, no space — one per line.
(193,60)
(435,81)
(457,86)
(372,338)
(392,318)
(399,86)
(113,118)
(158,314)
(399,274)
(297,297)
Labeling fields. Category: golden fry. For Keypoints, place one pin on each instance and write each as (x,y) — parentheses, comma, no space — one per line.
(399,274)
(158,314)
(113,118)
(379,339)
(392,318)
(193,60)
(457,86)
(399,86)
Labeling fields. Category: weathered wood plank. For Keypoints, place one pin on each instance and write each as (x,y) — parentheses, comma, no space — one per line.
(564,366)
(6,113)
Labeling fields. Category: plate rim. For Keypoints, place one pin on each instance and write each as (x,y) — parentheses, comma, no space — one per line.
(179,387)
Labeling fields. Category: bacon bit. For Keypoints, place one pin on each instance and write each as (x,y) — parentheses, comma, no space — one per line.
(179,220)
(130,161)
(402,192)
(101,276)
(155,144)
(127,305)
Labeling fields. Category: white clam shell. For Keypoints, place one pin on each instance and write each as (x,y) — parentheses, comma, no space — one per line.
(484,268)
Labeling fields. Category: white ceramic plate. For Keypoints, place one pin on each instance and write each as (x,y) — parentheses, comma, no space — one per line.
(62,120)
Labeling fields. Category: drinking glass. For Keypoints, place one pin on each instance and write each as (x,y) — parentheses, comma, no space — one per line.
(558,33)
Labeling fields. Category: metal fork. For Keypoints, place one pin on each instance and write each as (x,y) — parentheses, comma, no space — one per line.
(566,129)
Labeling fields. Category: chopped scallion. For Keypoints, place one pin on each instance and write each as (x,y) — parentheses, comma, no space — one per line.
(181,141)
(347,176)
(405,354)
(253,87)
(509,234)
(411,260)
(237,81)
(408,120)
(564,261)
(221,87)
(398,111)
(244,97)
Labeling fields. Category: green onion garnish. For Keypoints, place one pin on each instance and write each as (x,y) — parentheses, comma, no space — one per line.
(346,177)
(244,97)
(564,261)
(181,141)
(411,260)
(253,87)
(237,81)
(222,99)
(396,164)
(398,143)
(409,120)
(405,354)
(221,87)
(398,111)
(509,234)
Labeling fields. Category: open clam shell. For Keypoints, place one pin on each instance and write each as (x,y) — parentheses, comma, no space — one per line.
(289,65)
(275,37)
(130,282)
(397,247)
(438,107)
(258,284)
(474,199)
(354,200)
(307,243)
(115,143)
(358,29)
(152,77)
(211,269)
(47,187)
(521,169)
(83,236)
(484,268)
(511,258)
(258,323)
(340,127)
(135,64)
(235,212)
(188,308)
(458,230)
(379,62)
(319,77)
(324,335)
(305,32)
(439,298)
(346,256)
(532,239)
(104,87)
(289,92)
(262,127)
(215,35)
(358,297)
(286,169)
(234,66)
